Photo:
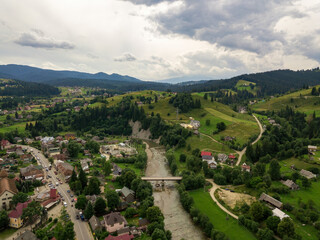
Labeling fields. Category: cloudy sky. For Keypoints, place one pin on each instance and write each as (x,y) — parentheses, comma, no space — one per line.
(156,39)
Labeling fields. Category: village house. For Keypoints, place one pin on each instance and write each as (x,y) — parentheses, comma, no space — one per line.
(229,138)
(5,144)
(222,157)
(17,139)
(92,198)
(3,173)
(116,170)
(28,140)
(69,136)
(15,215)
(47,140)
(312,148)
(7,190)
(26,157)
(231,157)
(95,223)
(206,156)
(114,221)
(245,167)
(307,174)
(127,194)
(54,198)
(272,201)
(278,213)
(290,184)
(121,237)
(195,124)
(212,164)
(64,168)
(32,172)
(62,157)
(15,149)
(27,235)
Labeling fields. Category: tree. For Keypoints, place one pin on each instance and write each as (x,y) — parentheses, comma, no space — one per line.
(4,220)
(182,157)
(73,177)
(158,234)
(265,234)
(81,202)
(305,182)
(221,126)
(51,160)
(256,211)
(93,187)
(20,197)
(208,122)
(154,214)
(272,223)
(100,206)
(89,211)
(32,211)
(112,199)
(93,146)
(286,228)
(73,149)
(274,170)
(107,168)
(64,232)
(83,178)
(127,177)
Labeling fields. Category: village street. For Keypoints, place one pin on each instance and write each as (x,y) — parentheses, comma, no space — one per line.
(81,227)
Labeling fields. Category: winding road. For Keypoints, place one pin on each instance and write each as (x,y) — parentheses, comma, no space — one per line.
(216,186)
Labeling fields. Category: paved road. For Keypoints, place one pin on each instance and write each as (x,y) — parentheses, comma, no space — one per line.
(81,228)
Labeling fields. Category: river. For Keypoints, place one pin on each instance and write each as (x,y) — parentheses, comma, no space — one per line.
(176,219)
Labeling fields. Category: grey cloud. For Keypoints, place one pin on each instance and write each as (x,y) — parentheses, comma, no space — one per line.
(236,24)
(127,57)
(145,2)
(37,39)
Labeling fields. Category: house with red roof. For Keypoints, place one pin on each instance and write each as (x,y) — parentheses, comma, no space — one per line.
(245,167)
(5,144)
(122,237)
(15,215)
(231,156)
(53,200)
(206,156)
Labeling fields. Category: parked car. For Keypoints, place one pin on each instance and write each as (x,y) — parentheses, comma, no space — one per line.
(68,191)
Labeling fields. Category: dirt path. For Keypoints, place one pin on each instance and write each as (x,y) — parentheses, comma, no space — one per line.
(255,141)
(212,190)
(211,138)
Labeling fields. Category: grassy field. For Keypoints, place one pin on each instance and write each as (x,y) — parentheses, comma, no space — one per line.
(19,126)
(138,171)
(7,233)
(299,100)
(299,164)
(218,218)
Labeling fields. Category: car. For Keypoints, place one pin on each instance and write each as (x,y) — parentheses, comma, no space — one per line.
(68,191)
(72,200)
(71,195)
(57,183)
(71,205)
(61,182)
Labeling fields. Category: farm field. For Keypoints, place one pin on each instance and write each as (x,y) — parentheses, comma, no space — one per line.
(300,100)
(230,227)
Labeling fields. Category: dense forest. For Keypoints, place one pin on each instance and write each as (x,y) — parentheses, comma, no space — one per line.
(270,83)
(20,88)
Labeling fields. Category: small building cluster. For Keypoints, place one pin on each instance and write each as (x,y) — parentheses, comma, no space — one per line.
(119,150)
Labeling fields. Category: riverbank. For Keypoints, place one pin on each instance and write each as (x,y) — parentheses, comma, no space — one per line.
(176,219)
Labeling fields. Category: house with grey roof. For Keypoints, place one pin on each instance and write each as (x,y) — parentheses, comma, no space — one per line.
(291,184)
(272,201)
(95,223)
(127,194)
(307,174)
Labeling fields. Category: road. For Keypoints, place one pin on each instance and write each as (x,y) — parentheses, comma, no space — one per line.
(255,141)
(212,190)
(81,228)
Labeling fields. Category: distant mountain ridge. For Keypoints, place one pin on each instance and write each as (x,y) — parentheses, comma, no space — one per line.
(34,74)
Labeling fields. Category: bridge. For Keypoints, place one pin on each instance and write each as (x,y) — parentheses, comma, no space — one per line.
(161,178)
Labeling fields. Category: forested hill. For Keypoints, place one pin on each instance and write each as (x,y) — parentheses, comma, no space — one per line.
(270,83)
(10,87)
(110,84)
(33,74)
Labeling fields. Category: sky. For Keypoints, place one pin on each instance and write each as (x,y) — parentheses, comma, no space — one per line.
(156,39)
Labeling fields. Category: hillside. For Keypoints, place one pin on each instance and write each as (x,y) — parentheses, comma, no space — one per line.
(33,74)
(301,101)
(10,87)
(269,83)
(108,84)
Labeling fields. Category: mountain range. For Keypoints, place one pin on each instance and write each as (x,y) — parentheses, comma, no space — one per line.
(33,74)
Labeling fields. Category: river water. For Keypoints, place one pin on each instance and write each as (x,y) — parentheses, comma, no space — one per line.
(176,219)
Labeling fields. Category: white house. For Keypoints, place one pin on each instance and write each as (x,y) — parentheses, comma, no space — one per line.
(278,213)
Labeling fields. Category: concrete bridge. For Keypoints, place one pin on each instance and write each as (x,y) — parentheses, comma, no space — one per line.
(161,178)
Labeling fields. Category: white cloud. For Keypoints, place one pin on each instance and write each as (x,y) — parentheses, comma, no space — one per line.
(155,39)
